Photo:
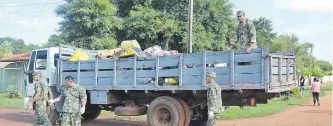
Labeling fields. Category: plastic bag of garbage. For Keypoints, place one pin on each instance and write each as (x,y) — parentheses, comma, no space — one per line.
(129,44)
(79,55)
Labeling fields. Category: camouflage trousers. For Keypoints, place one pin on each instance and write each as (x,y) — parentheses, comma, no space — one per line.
(41,117)
(70,119)
(212,122)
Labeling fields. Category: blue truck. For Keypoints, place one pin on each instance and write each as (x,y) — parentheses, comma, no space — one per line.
(136,86)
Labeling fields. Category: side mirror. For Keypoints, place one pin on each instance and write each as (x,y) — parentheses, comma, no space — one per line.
(26,71)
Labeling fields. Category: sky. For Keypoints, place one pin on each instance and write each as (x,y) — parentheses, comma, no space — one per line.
(310,20)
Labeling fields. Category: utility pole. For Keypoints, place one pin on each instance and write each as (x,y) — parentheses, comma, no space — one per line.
(190,20)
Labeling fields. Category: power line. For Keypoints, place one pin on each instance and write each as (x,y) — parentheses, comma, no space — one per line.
(25,5)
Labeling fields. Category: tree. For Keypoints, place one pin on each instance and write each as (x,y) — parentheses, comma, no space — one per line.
(265,35)
(18,45)
(89,24)
(5,49)
(165,23)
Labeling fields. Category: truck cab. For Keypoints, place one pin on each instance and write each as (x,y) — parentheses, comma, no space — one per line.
(43,61)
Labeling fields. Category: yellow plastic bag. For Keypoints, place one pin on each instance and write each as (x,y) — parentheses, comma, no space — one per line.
(170,80)
(129,44)
(78,55)
(129,52)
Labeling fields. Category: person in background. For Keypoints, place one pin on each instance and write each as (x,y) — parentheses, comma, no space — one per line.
(302,81)
(315,89)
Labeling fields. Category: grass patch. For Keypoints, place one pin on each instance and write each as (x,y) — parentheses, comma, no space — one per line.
(273,106)
(7,102)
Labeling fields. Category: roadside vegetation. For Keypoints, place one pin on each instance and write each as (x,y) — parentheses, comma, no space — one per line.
(273,106)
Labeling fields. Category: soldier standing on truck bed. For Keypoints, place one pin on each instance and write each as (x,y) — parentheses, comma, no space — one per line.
(40,96)
(214,99)
(245,35)
(73,95)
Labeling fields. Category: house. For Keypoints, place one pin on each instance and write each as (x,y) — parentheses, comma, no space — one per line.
(12,73)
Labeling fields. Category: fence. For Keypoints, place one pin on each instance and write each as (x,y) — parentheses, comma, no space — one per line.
(11,76)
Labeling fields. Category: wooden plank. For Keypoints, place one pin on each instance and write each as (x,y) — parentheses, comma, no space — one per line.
(87,65)
(247,78)
(168,62)
(105,64)
(168,73)
(219,70)
(89,74)
(275,70)
(124,81)
(192,80)
(145,73)
(217,59)
(251,69)
(87,81)
(192,61)
(146,64)
(105,81)
(252,57)
(69,66)
(124,73)
(125,64)
(275,62)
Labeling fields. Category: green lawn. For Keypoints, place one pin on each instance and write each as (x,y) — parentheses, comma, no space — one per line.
(273,106)
(11,103)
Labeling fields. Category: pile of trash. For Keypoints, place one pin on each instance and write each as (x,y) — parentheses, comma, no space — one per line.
(130,48)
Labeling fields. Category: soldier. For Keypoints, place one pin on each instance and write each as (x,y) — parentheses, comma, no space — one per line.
(245,35)
(40,97)
(73,95)
(214,99)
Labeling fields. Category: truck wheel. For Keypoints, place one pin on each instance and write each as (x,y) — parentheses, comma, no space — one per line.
(187,111)
(91,114)
(52,114)
(165,111)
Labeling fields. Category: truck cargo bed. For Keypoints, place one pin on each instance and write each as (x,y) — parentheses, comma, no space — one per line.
(234,70)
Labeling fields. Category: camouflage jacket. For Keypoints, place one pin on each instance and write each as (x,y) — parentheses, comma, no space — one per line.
(245,33)
(72,97)
(214,98)
(41,86)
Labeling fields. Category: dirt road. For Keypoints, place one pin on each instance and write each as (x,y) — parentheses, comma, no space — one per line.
(302,115)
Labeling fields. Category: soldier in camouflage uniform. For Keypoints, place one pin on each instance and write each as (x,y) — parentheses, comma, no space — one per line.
(214,99)
(40,97)
(245,36)
(74,97)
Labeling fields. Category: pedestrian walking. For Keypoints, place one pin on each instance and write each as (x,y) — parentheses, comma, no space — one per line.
(315,89)
(302,81)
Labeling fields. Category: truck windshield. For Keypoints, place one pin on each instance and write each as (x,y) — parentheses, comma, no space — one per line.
(41,60)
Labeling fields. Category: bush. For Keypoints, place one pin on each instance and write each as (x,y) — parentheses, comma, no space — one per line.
(13,92)
(295,91)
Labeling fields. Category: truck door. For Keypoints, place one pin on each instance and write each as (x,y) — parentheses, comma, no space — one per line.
(38,63)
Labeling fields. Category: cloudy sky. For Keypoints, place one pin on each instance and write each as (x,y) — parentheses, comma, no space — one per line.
(310,20)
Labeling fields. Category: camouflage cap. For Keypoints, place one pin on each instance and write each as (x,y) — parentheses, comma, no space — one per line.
(36,73)
(211,74)
(240,12)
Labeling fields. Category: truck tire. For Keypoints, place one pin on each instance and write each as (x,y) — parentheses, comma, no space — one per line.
(165,111)
(52,115)
(91,114)
(187,111)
